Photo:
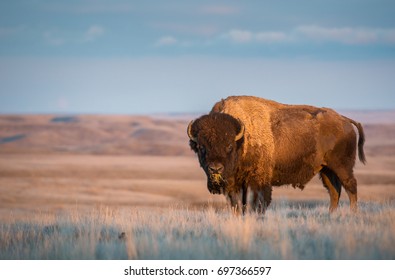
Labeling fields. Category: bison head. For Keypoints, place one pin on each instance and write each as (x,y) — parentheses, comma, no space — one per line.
(216,139)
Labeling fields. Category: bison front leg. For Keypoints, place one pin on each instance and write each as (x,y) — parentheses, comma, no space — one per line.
(261,199)
(238,200)
(235,199)
(244,199)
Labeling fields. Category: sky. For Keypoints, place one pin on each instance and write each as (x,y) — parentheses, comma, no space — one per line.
(150,57)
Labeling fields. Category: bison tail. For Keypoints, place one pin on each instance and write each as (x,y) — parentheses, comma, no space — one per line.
(361,140)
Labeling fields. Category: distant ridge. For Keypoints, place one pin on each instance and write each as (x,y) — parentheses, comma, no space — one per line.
(94,134)
(155,135)
(363,116)
(371,116)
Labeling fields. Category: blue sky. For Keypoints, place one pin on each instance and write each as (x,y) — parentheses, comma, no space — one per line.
(143,57)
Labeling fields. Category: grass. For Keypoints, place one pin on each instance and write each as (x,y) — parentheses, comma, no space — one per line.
(287,231)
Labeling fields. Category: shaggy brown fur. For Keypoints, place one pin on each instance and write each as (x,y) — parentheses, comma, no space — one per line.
(281,145)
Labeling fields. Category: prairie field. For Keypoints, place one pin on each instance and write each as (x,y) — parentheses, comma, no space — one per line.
(128,187)
(287,231)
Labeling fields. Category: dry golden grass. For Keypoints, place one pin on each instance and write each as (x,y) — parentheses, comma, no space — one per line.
(286,232)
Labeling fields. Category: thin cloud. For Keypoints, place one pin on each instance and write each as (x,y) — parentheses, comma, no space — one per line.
(272,37)
(54,38)
(246,36)
(220,10)
(93,32)
(90,8)
(347,35)
(104,8)
(9,31)
(240,36)
(314,33)
(205,30)
(57,38)
(166,41)
(342,35)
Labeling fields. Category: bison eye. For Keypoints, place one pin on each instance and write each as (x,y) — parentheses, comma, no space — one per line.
(229,148)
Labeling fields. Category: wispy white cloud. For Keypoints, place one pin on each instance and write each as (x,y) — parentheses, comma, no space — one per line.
(90,7)
(342,35)
(235,35)
(246,36)
(206,30)
(272,37)
(389,36)
(239,36)
(166,41)
(305,34)
(54,38)
(9,31)
(347,35)
(220,10)
(93,32)
(104,8)
(315,33)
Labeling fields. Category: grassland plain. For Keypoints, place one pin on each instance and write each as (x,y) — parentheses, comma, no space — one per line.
(285,232)
(128,187)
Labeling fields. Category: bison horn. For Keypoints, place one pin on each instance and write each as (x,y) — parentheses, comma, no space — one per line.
(241,133)
(189,130)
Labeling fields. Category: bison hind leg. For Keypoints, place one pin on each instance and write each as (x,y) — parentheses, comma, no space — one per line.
(332,183)
(350,185)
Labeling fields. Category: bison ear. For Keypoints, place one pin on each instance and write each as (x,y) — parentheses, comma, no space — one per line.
(193,139)
(189,131)
(240,134)
(194,146)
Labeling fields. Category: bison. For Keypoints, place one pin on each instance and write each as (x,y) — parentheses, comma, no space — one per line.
(250,143)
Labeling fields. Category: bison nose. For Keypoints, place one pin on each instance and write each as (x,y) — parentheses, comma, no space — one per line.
(215,168)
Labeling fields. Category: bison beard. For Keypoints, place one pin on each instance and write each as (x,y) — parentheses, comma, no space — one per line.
(216,184)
